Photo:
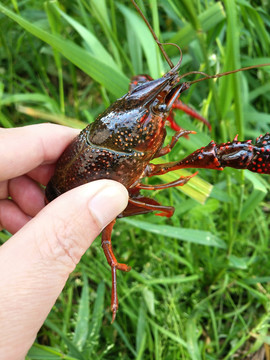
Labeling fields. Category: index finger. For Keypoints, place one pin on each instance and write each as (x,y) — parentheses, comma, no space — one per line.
(23,149)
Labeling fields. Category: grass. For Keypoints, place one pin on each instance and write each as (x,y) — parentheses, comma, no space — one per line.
(200,283)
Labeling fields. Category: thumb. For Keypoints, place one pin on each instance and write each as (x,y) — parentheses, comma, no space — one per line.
(36,261)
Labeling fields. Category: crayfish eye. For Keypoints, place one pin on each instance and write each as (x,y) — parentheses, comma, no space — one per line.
(160,108)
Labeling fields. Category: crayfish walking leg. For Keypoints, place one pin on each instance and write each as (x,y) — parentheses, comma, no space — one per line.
(108,251)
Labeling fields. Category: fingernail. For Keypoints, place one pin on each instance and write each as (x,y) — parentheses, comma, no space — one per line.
(108,203)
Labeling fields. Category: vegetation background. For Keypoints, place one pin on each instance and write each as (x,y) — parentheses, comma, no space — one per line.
(200,283)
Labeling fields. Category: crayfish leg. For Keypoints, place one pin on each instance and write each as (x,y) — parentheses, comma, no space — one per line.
(106,244)
(139,204)
(188,110)
(166,149)
(173,124)
(179,182)
(165,210)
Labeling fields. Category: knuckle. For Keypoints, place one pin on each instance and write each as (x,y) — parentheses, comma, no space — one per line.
(62,243)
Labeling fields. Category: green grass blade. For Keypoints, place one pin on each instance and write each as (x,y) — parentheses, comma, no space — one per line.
(93,44)
(135,50)
(57,119)
(209,19)
(81,329)
(149,299)
(145,38)
(178,279)
(258,27)
(258,194)
(192,340)
(40,352)
(141,333)
(90,64)
(74,351)
(237,262)
(9,99)
(176,339)
(232,61)
(96,320)
(55,24)
(190,235)
(4,121)
(124,337)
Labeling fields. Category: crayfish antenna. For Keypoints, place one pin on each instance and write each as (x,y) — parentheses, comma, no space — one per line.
(154,35)
(173,67)
(216,76)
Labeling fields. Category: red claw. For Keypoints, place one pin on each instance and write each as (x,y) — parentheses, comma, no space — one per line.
(188,110)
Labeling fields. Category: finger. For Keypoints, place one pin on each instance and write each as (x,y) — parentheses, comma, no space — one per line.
(3,190)
(27,195)
(12,218)
(36,261)
(27,147)
(42,173)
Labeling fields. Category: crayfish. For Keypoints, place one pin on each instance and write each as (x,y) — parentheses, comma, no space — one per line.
(123,140)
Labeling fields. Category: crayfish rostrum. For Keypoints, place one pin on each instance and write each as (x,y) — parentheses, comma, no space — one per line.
(122,141)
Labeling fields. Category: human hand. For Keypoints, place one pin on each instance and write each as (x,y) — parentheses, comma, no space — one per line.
(48,242)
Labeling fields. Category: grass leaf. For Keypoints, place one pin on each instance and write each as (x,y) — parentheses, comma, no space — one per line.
(90,64)
(80,333)
(190,235)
